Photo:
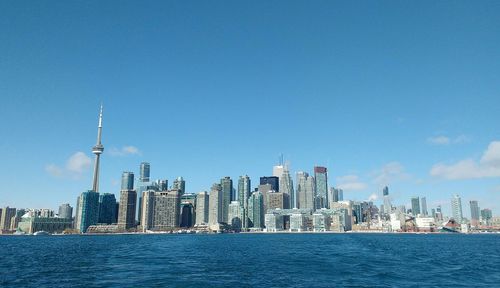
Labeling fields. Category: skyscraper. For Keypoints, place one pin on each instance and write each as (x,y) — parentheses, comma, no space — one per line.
(5,217)
(305,191)
(166,210)
(456,208)
(65,211)
(179,184)
(143,184)
(227,188)
(107,208)
(234,216)
(127,209)
(144,172)
(286,186)
(321,187)
(202,205)
(187,215)
(88,210)
(127,181)
(387,201)
(215,205)
(244,190)
(423,202)
(415,206)
(273,180)
(88,205)
(256,210)
(474,212)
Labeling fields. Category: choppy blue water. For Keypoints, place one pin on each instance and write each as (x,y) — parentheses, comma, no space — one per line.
(251,260)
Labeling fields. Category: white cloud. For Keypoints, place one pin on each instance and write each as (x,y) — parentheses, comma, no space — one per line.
(439,140)
(124,151)
(444,140)
(488,166)
(54,170)
(350,183)
(373,197)
(76,165)
(390,173)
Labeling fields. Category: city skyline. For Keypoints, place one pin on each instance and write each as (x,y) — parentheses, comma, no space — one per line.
(419,117)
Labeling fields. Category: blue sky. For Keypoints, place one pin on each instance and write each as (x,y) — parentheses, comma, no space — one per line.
(404,94)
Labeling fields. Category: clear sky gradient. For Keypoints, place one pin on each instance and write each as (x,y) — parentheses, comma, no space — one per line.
(398,93)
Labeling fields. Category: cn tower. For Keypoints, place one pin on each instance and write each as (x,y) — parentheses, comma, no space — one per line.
(97,150)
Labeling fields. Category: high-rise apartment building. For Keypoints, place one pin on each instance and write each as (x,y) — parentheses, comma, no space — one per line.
(202,205)
(456,209)
(127,209)
(215,205)
(226,184)
(107,208)
(5,217)
(415,206)
(65,211)
(474,212)
(387,201)
(235,216)
(423,207)
(244,190)
(256,210)
(127,181)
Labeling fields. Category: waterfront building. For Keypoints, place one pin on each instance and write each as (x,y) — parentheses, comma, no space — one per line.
(166,207)
(321,222)
(415,206)
(235,216)
(456,209)
(305,191)
(187,215)
(256,210)
(65,211)
(6,217)
(88,210)
(474,212)
(215,206)
(244,191)
(202,206)
(147,208)
(486,216)
(14,221)
(297,222)
(179,184)
(127,209)
(226,184)
(321,187)
(425,224)
(273,222)
(107,209)
(423,206)
(32,224)
(272,180)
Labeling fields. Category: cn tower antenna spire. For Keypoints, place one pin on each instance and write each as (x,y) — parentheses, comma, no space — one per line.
(98,149)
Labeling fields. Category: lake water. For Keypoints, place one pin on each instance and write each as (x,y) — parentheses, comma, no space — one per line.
(251,260)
